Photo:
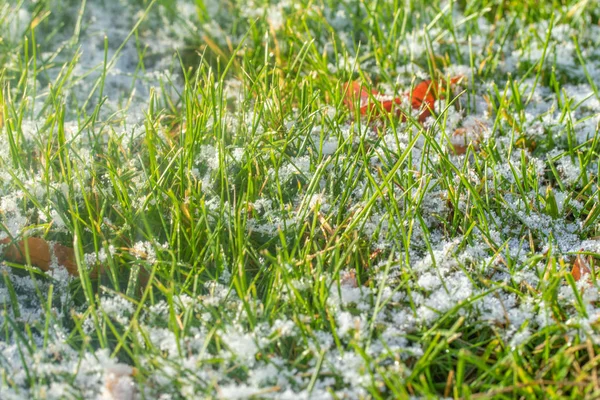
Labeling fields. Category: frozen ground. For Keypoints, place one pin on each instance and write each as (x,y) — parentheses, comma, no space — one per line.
(294,250)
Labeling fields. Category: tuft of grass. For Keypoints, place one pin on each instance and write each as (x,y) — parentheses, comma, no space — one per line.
(239,232)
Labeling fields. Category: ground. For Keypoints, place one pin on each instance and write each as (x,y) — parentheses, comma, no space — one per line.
(256,203)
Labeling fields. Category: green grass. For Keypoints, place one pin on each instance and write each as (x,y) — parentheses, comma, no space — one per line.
(258,239)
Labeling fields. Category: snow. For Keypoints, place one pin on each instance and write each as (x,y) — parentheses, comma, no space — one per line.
(444,271)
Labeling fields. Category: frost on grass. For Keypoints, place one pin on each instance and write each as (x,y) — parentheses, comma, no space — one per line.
(292,259)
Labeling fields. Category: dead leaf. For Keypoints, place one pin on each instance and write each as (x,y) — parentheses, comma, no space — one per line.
(471,134)
(459,141)
(422,96)
(348,278)
(355,92)
(38,250)
(118,382)
(39,254)
(581,269)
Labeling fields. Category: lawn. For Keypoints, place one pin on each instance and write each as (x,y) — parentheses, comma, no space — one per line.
(303,199)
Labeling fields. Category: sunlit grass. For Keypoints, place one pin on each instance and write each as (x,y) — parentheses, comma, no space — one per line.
(239,231)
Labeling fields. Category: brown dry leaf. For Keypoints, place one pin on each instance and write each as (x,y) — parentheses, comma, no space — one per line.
(39,254)
(38,249)
(66,257)
(581,269)
(459,141)
(467,135)
(348,278)
(118,382)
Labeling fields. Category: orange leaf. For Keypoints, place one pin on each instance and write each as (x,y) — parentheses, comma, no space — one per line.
(356,92)
(388,105)
(422,96)
(423,93)
(426,93)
